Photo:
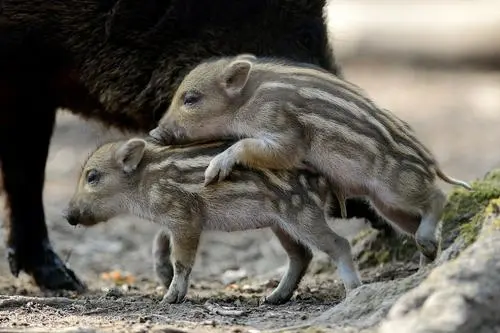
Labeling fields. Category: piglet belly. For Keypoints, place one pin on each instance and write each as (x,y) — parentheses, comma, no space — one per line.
(350,174)
(239,216)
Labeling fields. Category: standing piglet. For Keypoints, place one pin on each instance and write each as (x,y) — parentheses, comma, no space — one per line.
(285,113)
(165,185)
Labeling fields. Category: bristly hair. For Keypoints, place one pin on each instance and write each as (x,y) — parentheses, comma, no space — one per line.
(277,60)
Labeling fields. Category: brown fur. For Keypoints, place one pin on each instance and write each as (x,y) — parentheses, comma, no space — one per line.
(165,185)
(286,113)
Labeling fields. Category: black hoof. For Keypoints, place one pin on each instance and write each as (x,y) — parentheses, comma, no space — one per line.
(46,268)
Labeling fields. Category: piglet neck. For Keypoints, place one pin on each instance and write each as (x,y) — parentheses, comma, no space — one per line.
(138,205)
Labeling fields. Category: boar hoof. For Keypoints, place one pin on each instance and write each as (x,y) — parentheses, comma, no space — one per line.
(45,267)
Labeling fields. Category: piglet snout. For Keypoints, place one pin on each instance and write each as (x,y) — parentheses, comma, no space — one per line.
(72,216)
(157,135)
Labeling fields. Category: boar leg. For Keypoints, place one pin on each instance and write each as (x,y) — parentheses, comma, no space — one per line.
(361,208)
(161,255)
(28,113)
(299,257)
(184,246)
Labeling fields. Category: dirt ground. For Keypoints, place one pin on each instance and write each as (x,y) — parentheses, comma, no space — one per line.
(457,113)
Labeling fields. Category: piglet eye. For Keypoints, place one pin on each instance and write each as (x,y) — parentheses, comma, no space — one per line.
(92,176)
(191,97)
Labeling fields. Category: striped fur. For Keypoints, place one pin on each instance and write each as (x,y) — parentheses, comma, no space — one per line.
(286,114)
(166,185)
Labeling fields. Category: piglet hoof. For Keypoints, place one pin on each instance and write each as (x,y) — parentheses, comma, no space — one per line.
(350,280)
(46,268)
(350,290)
(275,299)
(173,296)
(219,168)
(428,248)
(352,286)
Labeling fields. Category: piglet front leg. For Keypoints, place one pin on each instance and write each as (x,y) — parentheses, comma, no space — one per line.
(254,153)
(220,167)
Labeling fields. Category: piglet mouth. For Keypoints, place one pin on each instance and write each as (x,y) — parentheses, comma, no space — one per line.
(71,216)
(160,136)
(75,218)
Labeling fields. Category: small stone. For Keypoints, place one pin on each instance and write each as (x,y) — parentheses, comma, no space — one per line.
(113,292)
(232,276)
(247,288)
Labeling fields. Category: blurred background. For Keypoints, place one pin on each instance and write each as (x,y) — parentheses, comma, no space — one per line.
(434,63)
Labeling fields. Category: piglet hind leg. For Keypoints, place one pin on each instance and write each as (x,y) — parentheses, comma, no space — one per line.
(161,256)
(410,224)
(184,246)
(426,235)
(317,233)
(299,257)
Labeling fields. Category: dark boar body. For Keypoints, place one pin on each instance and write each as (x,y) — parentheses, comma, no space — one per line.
(118,62)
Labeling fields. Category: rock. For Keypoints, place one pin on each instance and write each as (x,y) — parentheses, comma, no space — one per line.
(464,208)
(459,292)
(459,296)
(367,305)
(372,248)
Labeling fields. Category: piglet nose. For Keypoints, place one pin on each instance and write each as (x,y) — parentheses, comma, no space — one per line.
(72,216)
(156,135)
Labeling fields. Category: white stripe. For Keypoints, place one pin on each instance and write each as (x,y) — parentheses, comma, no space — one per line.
(189,163)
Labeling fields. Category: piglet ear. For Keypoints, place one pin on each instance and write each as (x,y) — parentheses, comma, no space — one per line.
(130,154)
(235,76)
(246,56)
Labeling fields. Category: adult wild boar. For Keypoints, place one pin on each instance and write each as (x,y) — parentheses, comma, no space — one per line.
(117,61)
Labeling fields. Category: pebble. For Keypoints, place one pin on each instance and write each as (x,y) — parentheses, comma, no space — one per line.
(232,276)
(113,292)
